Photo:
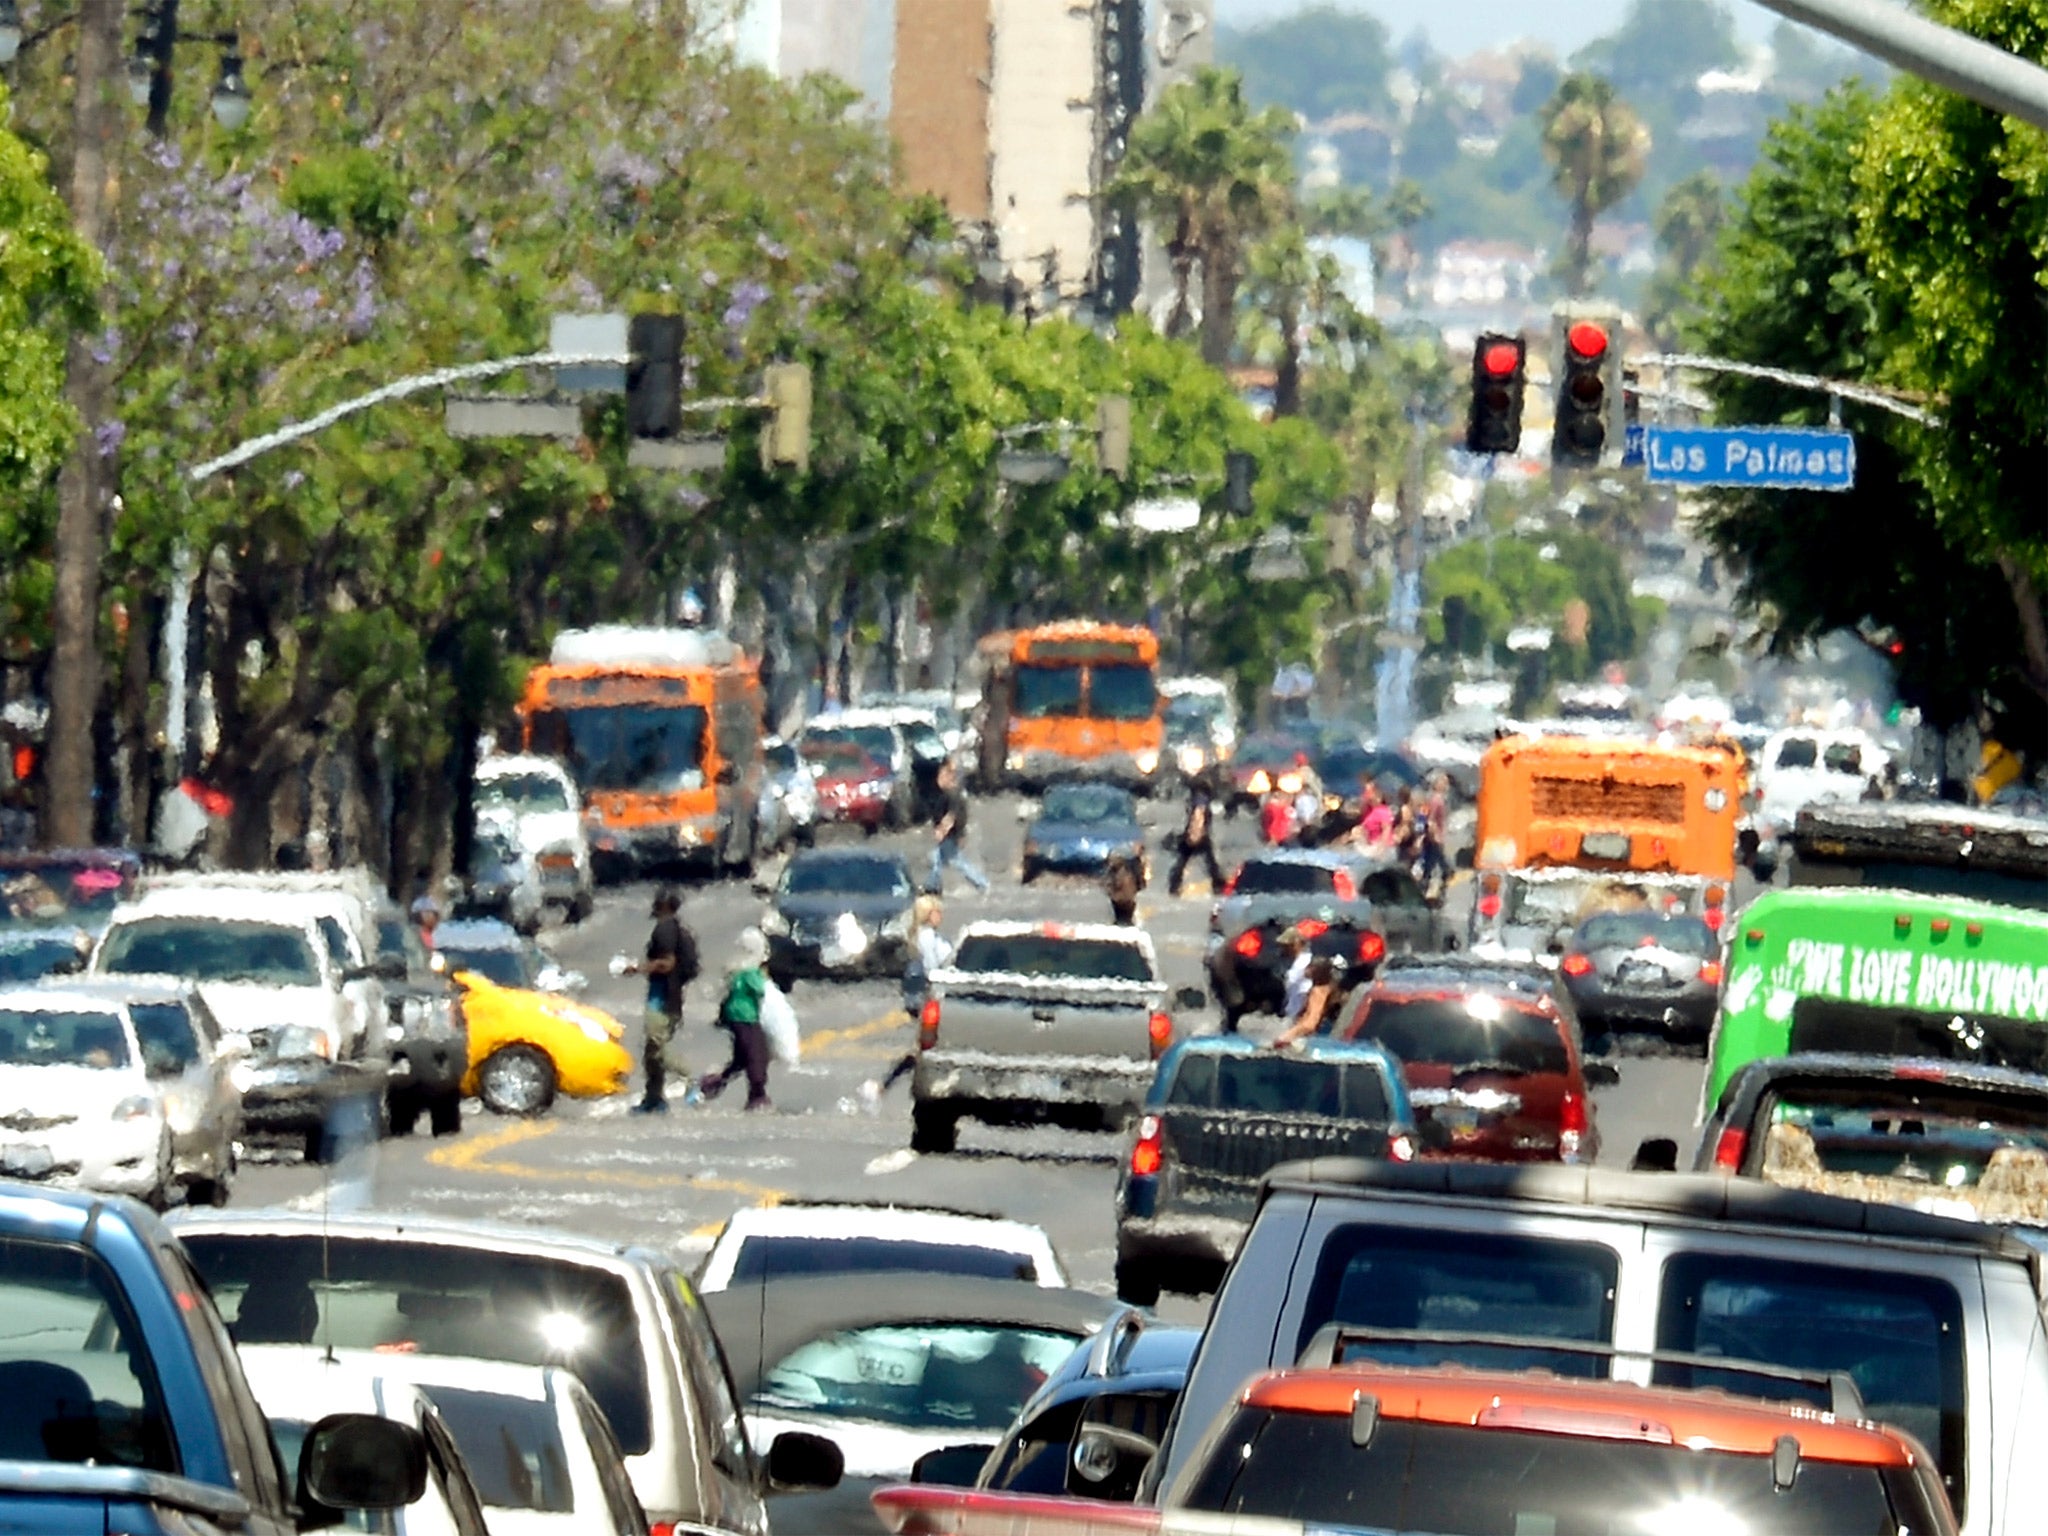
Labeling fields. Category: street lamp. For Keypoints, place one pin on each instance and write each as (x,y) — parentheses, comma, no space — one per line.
(231,99)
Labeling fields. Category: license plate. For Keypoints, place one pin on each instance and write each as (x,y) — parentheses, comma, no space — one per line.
(1038,1085)
(28,1162)
(1604,845)
(1458,1119)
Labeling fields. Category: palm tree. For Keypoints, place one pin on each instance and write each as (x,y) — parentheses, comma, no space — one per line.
(1296,293)
(1597,148)
(1210,176)
(1689,221)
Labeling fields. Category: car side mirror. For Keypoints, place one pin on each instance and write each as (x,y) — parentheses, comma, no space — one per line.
(951,1466)
(389,968)
(1656,1154)
(1189,999)
(1601,1074)
(804,1463)
(358,1461)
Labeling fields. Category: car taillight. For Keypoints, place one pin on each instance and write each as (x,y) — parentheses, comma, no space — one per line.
(928,1024)
(1575,965)
(1713,917)
(1710,972)
(1230,885)
(1734,1141)
(1571,1113)
(1159,1028)
(1311,927)
(1249,944)
(1400,1149)
(1372,949)
(1489,905)
(1342,886)
(1147,1154)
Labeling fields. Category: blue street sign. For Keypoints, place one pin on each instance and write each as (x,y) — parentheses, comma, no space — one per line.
(1781,458)
(1632,445)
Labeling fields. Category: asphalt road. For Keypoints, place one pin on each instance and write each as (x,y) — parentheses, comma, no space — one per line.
(669,1181)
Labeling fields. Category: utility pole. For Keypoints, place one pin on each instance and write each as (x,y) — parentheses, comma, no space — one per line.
(68,766)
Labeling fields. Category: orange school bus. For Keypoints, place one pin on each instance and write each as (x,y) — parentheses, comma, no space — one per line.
(661,729)
(1071,701)
(1550,801)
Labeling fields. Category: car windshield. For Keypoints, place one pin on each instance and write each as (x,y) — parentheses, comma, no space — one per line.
(845,877)
(512,1447)
(48,890)
(1478,1029)
(211,949)
(1122,692)
(508,967)
(1038,955)
(165,1033)
(398,939)
(403,1297)
(1927,1135)
(1645,930)
(1283,877)
(1196,709)
(1044,691)
(761,1257)
(32,959)
(779,758)
(1087,803)
(1345,769)
(1797,752)
(876,741)
(1268,751)
(1416,1476)
(74,1375)
(841,758)
(1842,757)
(955,1377)
(523,791)
(36,1037)
(650,748)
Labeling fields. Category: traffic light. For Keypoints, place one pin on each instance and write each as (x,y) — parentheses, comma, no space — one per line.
(1588,391)
(786,439)
(1113,436)
(1240,473)
(1499,372)
(654,375)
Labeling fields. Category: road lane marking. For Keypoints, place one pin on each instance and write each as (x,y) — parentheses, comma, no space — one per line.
(478,1157)
(472,1154)
(827,1041)
(891,1162)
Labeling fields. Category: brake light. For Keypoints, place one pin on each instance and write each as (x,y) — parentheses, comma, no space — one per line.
(1372,949)
(1713,917)
(1230,885)
(1710,972)
(1343,886)
(1147,1153)
(1734,1141)
(928,1024)
(1571,1113)
(1400,1149)
(1575,965)
(1248,944)
(1489,905)
(1159,1028)
(1311,927)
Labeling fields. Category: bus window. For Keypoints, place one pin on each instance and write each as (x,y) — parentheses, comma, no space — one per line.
(628,746)
(1045,691)
(1122,693)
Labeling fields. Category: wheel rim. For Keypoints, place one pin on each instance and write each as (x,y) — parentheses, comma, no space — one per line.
(518,1082)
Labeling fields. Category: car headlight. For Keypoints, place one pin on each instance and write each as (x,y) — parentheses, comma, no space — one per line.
(1014,762)
(139,1106)
(872,789)
(241,1077)
(1147,761)
(774,924)
(1192,759)
(1259,783)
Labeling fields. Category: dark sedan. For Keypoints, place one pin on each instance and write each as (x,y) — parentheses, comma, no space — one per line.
(1643,971)
(839,913)
(1260,763)
(1080,828)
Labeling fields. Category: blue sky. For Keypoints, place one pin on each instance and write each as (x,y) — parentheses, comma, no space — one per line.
(1462,26)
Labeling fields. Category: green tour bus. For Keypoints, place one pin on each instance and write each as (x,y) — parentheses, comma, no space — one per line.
(1883,972)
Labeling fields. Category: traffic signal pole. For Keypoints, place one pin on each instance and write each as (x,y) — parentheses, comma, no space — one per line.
(1966,65)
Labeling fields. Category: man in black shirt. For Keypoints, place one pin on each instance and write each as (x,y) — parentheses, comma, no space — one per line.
(670,966)
(1197,836)
(950,833)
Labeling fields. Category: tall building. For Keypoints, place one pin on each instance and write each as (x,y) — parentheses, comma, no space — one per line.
(853,39)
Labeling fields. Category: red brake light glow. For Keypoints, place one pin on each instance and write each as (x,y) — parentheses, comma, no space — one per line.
(1489,905)
(1729,1149)
(1159,1029)
(1571,1113)
(1576,965)
(1147,1155)
(1710,972)
(1714,917)
(1248,944)
(1372,949)
(1312,927)
(1343,886)
(928,1024)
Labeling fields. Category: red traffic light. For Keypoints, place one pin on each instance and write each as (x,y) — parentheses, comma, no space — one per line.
(1501,359)
(1587,340)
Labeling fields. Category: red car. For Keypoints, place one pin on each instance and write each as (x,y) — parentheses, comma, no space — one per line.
(852,786)
(1491,1056)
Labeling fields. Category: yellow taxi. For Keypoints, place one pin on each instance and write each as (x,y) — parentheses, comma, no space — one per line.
(527,1041)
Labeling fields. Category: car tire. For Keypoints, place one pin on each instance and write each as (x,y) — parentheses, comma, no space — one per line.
(444,1115)
(1137,1283)
(516,1080)
(404,1109)
(581,905)
(315,1148)
(1030,872)
(933,1129)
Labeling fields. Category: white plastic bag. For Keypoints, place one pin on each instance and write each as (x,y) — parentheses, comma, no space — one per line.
(778,1023)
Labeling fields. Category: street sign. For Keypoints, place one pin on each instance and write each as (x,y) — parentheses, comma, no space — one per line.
(1169,514)
(1774,458)
(507,417)
(1632,440)
(589,336)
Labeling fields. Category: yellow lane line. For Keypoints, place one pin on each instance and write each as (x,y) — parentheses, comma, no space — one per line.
(825,1041)
(472,1154)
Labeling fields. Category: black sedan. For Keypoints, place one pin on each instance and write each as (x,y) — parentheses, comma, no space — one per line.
(1080,828)
(839,914)
(1644,972)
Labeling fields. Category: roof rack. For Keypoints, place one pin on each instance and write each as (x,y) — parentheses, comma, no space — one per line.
(1113,1341)
(1326,1348)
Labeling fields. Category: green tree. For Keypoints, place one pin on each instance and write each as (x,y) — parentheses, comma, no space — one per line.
(1296,297)
(1211,176)
(1598,149)
(1319,61)
(1687,225)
